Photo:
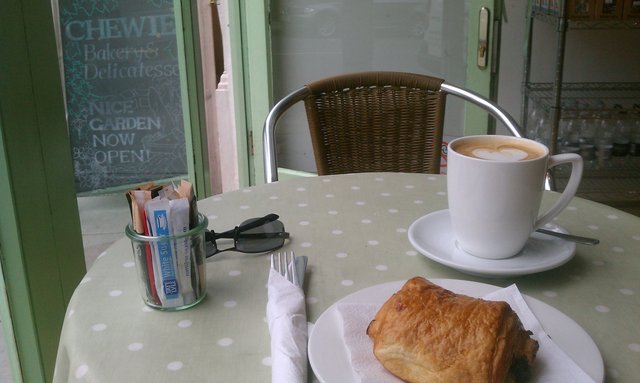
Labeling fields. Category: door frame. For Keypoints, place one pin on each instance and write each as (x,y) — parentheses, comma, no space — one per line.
(252,82)
(193,95)
(483,81)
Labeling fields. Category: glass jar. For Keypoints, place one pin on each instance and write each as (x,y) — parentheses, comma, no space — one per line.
(171,269)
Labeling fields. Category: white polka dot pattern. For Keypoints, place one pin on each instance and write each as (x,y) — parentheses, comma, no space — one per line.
(175,365)
(354,231)
(81,371)
(135,346)
(185,323)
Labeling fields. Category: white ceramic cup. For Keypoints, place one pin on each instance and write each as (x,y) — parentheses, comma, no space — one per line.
(494,197)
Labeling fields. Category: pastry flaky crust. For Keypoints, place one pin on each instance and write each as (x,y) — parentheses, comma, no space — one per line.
(427,334)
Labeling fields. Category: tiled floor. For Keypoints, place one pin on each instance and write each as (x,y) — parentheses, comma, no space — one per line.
(103,219)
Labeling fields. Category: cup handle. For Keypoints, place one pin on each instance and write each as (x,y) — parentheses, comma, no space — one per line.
(571,188)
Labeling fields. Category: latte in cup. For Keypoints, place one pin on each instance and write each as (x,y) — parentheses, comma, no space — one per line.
(495,186)
(498,149)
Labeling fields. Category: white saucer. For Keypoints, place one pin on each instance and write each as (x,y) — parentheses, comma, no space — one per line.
(432,236)
(330,360)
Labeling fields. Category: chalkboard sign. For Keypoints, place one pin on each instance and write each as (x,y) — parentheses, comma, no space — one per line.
(122,86)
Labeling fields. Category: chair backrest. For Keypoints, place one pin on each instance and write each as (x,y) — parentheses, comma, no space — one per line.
(374,121)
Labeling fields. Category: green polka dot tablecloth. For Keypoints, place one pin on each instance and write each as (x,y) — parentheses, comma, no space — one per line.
(353,228)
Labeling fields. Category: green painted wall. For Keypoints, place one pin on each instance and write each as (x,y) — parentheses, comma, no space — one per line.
(41,250)
(42,254)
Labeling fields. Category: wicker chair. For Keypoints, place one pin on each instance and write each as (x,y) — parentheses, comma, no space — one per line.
(374,122)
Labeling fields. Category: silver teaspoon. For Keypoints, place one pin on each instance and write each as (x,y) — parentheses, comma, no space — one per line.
(571,237)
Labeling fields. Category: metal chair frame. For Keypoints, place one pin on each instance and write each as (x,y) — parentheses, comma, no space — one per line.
(282,106)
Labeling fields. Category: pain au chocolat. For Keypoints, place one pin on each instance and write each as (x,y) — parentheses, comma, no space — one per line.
(425,333)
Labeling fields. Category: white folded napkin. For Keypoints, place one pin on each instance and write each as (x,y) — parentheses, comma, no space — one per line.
(552,364)
(355,319)
(287,318)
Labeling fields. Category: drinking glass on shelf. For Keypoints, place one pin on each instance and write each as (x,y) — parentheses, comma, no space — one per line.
(604,144)
(532,121)
(586,130)
(539,129)
(568,133)
(621,135)
(634,149)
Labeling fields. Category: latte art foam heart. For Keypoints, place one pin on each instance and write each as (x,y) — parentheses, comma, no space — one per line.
(499,148)
(500,154)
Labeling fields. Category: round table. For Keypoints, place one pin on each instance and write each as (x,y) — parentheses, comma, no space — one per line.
(353,228)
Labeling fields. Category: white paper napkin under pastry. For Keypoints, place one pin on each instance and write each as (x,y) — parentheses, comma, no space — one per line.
(356,317)
(287,318)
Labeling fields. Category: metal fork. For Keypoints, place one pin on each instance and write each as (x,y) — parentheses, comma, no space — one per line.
(285,264)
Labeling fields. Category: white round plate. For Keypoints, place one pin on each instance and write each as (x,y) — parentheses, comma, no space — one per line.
(330,360)
(432,236)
